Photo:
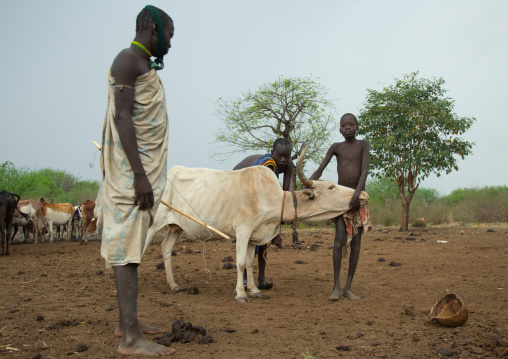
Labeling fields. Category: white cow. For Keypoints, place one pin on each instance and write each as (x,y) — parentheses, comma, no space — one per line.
(59,214)
(244,204)
(35,215)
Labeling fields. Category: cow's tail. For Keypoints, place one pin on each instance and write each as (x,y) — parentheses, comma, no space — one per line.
(15,231)
(25,216)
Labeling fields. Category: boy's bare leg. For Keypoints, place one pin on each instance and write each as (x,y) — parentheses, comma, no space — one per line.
(133,342)
(353,262)
(338,244)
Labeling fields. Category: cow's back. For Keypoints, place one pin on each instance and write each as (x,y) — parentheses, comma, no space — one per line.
(222,199)
(59,213)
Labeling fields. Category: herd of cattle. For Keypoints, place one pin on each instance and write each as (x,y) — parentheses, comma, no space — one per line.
(39,217)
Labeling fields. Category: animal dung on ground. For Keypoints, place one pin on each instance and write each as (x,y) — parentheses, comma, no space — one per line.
(193,291)
(229,266)
(394,264)
(381,259)
(410,311)
(446,352)
(227,259)
(449,311)
(343,348)
(299,262)
(160,265)
(81,348)
(184,332)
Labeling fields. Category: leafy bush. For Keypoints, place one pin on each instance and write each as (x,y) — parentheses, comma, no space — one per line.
(57,185)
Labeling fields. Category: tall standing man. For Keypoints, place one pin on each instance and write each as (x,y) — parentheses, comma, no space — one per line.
(134,164)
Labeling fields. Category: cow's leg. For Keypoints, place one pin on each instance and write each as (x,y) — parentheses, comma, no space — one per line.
(242,244)
(50,229)
(251,285)
(2,236)
(84,227)
(35,225)
(65,228)
(43,224)
(167,251)
(7,236)
(26,233)
(68,226)
(16,231)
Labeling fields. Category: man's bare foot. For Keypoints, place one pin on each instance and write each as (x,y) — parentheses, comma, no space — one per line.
(335,295)
(144,346)
(349,295)
(145,328)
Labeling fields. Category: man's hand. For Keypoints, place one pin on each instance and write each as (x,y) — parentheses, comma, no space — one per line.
(354,205)
(143,192)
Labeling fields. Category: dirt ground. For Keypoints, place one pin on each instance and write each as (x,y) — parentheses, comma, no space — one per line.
(56,296)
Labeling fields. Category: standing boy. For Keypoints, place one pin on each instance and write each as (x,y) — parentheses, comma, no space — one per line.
(279,161)
(133,163)
(352,167)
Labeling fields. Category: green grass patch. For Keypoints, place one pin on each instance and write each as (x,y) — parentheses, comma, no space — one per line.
(57,185)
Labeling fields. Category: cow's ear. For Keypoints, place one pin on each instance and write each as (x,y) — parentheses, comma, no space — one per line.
(309,194)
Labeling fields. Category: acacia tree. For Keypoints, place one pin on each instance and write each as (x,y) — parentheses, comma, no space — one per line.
(294,108)
(413,132)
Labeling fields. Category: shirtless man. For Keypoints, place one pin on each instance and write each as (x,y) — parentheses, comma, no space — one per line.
(352,168)
(279,161)
(134,163)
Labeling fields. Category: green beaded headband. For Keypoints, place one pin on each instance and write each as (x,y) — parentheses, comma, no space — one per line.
(158,63)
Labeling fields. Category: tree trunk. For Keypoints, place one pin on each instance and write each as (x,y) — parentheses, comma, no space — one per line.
(406,202)
(404,219)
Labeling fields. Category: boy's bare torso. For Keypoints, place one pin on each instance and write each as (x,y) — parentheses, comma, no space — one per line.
(349,162)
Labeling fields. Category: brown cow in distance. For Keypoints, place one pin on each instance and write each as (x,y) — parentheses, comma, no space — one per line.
(58,214)
(86,209)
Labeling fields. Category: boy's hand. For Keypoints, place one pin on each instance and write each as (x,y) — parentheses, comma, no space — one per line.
(354,205)
(143,193)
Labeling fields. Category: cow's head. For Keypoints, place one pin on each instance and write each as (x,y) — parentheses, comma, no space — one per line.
(322,199)
(93,225)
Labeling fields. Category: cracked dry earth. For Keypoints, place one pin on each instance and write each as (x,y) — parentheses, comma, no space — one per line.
(58,301)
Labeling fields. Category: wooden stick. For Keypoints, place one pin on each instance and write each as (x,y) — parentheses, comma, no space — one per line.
(181,212)
(196,220)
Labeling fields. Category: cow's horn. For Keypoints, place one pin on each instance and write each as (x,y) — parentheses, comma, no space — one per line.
(299,170)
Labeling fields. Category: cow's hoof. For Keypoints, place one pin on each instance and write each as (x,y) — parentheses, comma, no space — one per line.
(176,288)
(242,299)
(257,295)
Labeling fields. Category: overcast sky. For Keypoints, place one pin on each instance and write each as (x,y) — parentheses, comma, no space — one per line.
(56,54)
